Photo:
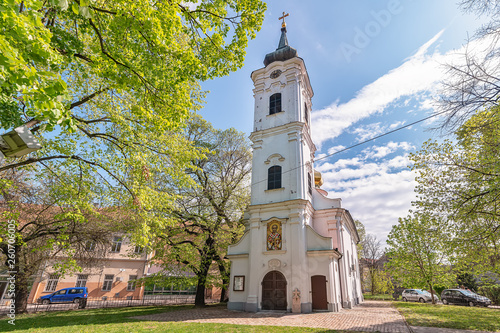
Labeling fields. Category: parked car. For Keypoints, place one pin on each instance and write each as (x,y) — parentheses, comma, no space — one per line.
(418,295)
(65,295)
(463,297)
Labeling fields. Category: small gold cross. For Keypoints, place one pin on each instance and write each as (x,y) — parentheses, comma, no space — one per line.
(283,18)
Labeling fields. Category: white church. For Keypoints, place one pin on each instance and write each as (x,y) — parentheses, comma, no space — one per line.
(298,252)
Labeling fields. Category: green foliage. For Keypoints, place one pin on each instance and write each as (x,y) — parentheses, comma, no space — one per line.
(131,73)
(459,183)
(57,54)
(417,253)
(382,283)
(30,67)
(492,292)
(438,288)
(467,280)
(207,216)
(362,234)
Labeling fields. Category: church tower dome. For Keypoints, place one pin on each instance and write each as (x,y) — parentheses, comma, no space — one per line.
(283,52)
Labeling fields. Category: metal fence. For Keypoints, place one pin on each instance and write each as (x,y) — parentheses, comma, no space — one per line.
(110,302)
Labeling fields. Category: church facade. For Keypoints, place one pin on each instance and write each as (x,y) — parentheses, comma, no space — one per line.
(298,252)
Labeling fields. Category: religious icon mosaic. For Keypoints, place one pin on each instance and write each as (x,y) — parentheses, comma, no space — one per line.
(274,237)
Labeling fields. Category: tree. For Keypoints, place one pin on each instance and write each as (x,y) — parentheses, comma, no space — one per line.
(59,55)
(472,81)
(417,252)
(372,251)
(120,79)
(362,234)
(107,88)
(459,183)
(38,223)
(207,217)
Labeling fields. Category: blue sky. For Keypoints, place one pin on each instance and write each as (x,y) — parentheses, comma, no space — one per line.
(373,66)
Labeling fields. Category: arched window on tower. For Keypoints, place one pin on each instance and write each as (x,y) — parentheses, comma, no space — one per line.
(309,183)
(275,103)
(274,177)
(306,113)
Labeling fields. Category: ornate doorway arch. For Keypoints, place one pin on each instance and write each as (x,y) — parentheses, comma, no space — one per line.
(274,291)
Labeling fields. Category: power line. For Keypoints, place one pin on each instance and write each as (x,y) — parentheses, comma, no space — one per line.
(379,136)
(361,143)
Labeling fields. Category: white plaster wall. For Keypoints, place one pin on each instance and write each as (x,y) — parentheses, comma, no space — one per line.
(239,267)
(294,86)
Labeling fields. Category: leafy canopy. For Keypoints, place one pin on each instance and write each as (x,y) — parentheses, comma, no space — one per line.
(155,52)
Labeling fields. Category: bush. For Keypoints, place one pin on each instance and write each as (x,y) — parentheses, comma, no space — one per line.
(438,289)
(492,292)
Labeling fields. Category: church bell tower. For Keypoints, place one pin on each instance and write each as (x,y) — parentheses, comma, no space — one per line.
(282,261)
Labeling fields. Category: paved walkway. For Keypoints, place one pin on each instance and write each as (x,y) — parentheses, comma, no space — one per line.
(370,316)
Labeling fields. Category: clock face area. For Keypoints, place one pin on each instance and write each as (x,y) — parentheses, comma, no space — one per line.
(275,74)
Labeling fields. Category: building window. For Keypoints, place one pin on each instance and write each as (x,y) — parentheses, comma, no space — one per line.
(275,103)
(274,177)
(131,282)
(309,178)
(90,246)
(117,244)
(108,282)
(306,113)
(81,280)
(138,249)
(52,282)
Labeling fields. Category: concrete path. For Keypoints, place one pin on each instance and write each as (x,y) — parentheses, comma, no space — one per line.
(371,316)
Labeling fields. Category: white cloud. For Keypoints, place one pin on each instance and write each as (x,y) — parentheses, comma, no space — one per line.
(419,77)
(376,186)
(377,152)
(377,194)
(419,73)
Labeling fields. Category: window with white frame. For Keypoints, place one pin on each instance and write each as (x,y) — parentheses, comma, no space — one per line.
(131,282)
(275,103)
(90,246)
(274,177)
(117,244)
(138,249)
(108,282)
(52,282)
(81,280)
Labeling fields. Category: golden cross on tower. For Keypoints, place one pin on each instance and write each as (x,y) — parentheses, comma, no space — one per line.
(283,25)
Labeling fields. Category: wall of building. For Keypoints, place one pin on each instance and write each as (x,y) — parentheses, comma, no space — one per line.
(120,264)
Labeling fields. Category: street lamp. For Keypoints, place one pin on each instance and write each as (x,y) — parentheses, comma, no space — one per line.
(18,142)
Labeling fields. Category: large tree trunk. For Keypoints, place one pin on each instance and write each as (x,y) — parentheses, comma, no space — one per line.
(199,300)
(206,261)
(224,273)
(21,279)
(432,293)
(372,279)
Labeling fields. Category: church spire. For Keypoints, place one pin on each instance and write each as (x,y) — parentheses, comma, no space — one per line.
(283,39)
(284,51)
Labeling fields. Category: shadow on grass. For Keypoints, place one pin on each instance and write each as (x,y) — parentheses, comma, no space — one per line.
(55,319)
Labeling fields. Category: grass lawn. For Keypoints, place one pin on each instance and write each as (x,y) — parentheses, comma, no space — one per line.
(450,316)
(118,320)
(378,297)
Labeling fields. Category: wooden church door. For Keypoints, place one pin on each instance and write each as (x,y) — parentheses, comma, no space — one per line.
(274,291)
(318,285)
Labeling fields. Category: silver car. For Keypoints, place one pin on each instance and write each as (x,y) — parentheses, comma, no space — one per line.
(418,295)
